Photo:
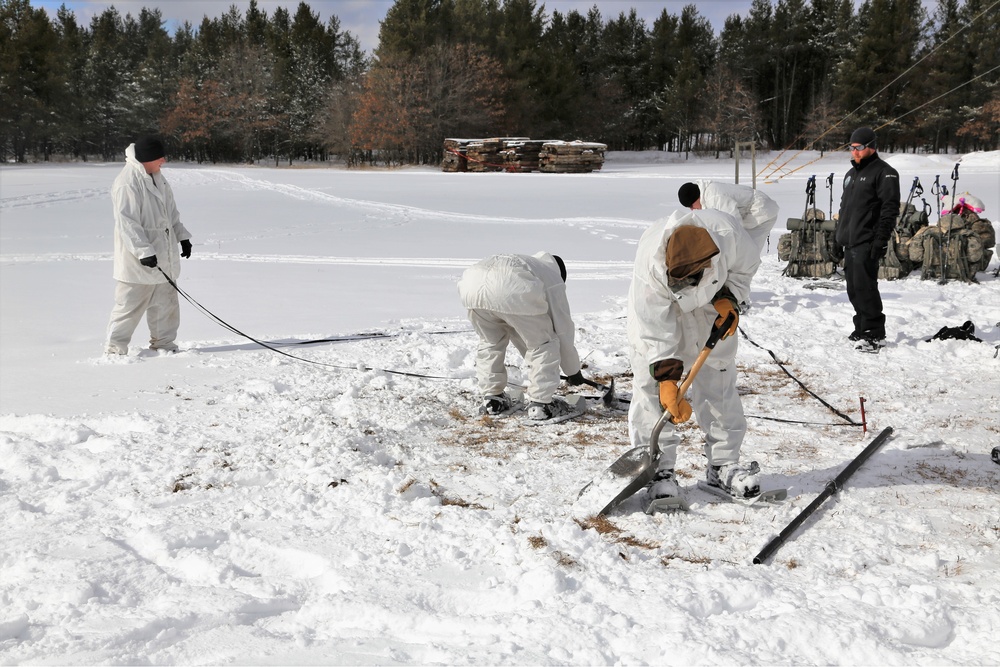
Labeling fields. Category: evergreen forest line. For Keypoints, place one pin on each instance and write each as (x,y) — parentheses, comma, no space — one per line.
(286,87)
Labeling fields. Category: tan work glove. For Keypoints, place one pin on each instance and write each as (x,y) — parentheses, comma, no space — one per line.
(725,305)
(672,402)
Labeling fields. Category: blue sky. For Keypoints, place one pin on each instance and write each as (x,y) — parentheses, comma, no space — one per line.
(361,17)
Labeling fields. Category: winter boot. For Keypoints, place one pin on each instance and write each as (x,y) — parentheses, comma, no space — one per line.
(736,480)
(544,411)
(663,485)
(870,344)
(495,404)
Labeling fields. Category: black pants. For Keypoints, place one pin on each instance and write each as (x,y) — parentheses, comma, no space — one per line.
(861,272)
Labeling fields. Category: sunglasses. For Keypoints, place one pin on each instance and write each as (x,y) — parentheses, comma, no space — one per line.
(855,149)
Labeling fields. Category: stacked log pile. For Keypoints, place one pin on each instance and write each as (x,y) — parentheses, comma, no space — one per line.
(484,154)
(574,157)
(522,154)
(454,154)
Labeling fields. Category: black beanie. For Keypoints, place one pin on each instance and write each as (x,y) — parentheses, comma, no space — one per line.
(148,149)
(562,266)
(688,194)
(864,136)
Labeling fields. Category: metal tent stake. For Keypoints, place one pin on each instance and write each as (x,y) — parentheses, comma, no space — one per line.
(864,422)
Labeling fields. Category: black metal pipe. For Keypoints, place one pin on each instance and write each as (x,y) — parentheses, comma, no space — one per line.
(831,488)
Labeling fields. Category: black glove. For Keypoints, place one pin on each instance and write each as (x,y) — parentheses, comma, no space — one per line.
(149,261)
(185,248)
(878,250)
(576,378)
(837,253)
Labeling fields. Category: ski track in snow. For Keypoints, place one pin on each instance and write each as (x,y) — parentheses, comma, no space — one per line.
(180,178)
(582,270)
(280,512)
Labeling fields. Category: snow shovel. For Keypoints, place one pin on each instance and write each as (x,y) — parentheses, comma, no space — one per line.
(639,463)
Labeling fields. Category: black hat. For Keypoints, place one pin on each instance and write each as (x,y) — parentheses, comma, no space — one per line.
(148,149)
(688,194)
(864,136)
(562,266)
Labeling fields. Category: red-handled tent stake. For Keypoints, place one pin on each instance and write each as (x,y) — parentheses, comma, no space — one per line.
(864,424)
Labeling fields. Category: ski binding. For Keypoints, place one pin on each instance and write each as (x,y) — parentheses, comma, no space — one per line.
(576,402)
(764,497)
(517,403)
(668,504)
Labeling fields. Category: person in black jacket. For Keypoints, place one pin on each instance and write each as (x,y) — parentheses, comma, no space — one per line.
(868,210)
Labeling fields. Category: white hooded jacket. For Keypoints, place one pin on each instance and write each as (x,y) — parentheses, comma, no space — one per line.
(753,208)
(146,223)
(523,285)
(664,324)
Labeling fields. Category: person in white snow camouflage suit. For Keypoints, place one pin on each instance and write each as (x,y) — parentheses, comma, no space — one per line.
(691,271)
(753,208)
(521,299)
(148,233)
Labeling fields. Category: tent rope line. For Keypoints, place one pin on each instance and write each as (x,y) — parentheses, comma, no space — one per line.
(850,422)
(215,318)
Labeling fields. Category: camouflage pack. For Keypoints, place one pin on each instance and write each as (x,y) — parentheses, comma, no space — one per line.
(809,246)
(957,248)
(897,262)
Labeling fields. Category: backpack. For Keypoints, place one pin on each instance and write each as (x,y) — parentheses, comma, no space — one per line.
(897,262)
(958,247)
(809,246)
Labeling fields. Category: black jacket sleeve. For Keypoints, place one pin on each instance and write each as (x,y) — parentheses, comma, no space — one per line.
(887,189)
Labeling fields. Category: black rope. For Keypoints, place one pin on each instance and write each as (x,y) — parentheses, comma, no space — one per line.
(850,422)
(236,331)
(792,421)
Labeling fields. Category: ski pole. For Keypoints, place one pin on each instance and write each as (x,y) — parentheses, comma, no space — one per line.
(954,185)
(810,195)
(829,184)
(936,191)
(812,226)
(904,223)
(831,488)
(915,189)
(945,241)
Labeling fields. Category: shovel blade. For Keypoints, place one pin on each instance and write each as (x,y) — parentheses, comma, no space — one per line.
(631,472)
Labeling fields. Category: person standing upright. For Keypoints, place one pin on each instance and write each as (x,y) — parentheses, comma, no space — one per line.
(148,231)
(868,210)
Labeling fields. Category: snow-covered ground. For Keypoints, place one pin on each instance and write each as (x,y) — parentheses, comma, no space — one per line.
(229,504)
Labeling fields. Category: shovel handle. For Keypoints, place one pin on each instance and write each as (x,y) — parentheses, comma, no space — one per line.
(713,340)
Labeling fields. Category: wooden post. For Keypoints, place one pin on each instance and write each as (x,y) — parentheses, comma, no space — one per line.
(753,160)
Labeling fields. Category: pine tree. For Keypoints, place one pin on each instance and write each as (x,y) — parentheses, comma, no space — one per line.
(29,84)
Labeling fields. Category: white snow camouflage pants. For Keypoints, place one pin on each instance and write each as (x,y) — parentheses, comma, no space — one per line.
(159,304)
(717,408)
(536,340)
